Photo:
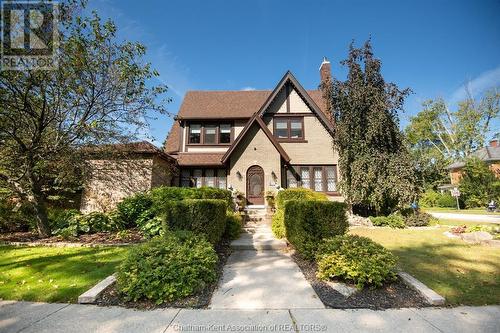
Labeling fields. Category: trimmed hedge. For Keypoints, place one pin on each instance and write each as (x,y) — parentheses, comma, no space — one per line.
(298,194)
(307,222)
(161,194)
(357,259)
(278,225)
(167,268)
(134,206)
(202,216)
(234,226)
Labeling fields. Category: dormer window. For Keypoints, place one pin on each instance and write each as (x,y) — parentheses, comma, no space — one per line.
(210,133)
(225,133)
(289,128)
(194,133)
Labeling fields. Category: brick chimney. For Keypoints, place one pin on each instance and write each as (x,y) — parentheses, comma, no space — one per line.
(325,70)
(494,143)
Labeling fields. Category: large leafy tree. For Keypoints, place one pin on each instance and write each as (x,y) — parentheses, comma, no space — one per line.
(377,173)
(478,184)
(102,91)
(438,135)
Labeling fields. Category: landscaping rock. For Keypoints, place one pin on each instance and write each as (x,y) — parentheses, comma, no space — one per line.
(356,220)
(342,288)
(476,237)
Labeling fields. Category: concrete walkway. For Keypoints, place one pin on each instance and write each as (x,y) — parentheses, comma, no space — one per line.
(54,318)
(259,275)
(467,217)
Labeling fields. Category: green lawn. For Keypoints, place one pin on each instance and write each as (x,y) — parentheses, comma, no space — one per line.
(478,211)
(445,222)
(461,272)
(52,274)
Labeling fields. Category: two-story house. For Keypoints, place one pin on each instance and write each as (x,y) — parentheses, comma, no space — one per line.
(256,141)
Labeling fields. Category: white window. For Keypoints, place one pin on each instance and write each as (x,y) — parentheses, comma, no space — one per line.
(221,179)
(225,133)
(331,179)
(291,180)
(305,177)
(197,177)
(210,178)
(318,179)
(210,134)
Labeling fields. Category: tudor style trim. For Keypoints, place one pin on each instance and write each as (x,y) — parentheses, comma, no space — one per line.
(270,136)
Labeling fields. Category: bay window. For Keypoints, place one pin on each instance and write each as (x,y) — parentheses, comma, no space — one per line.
(204,177)
(319,178)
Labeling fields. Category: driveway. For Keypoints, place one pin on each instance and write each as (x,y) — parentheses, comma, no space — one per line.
(467,217)
(30,317)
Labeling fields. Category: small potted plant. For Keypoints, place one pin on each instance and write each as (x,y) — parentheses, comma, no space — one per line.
(271,202)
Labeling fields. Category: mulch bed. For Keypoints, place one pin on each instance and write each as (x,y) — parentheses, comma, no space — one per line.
(392,295)
(200,300)
(132,236)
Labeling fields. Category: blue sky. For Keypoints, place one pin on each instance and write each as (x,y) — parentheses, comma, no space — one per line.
(433,47)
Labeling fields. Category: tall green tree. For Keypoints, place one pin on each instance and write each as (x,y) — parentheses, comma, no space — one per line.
(455,134)
(478,184)
(377,173)
(102,91)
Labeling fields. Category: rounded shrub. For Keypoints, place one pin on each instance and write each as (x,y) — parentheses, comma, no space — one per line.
(132,207)
(446,201)
(418,220)
(234,224)
(167,268)
(393,221)
(356,259)
(278,225)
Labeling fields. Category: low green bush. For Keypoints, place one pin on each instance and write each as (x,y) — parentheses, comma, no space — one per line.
(446,201)
(307,222)
(419,219)
(149,223)
(429,198)
(202,216)
(393,221)
(278,224)
(298,194)
(132,207)
(355,259)
(162,194)
(234,225)
(167,268)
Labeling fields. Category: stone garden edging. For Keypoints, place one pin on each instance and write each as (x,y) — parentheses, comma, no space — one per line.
(91,295)
(430,295)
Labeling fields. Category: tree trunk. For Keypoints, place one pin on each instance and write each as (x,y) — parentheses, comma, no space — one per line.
(37,200)
(41,218)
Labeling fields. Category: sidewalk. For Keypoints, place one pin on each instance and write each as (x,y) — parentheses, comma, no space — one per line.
(54,318)
(467,217)
(260,275)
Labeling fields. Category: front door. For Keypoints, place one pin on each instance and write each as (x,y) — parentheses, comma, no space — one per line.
(255,185)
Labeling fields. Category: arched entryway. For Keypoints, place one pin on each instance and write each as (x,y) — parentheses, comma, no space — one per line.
(255,185)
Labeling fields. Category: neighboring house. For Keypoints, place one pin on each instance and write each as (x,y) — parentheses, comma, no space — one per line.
(120,170)
(489,154)
(256,141)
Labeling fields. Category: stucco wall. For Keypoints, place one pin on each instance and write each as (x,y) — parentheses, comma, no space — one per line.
(317,150)
(254,149)
(112,180)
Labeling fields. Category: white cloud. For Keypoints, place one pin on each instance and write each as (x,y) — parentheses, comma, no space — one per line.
(247,88)
(477,85)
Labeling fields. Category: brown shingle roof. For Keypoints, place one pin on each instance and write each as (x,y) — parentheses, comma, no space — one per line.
(205,159)
(116,149)
(173,139)
(223,104)
(229,104)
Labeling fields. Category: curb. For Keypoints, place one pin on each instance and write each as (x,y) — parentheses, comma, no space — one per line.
(90,296)
(430,295)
